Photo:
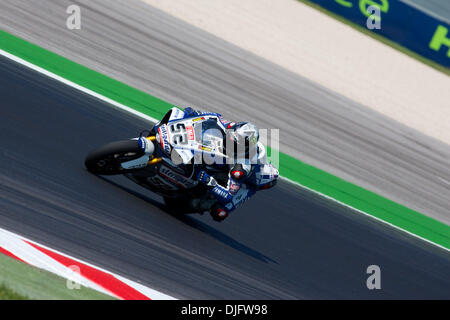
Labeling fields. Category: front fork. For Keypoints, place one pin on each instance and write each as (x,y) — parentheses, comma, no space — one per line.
(152,160)
(147,145)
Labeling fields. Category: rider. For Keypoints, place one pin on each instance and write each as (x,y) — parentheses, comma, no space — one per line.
(248,172)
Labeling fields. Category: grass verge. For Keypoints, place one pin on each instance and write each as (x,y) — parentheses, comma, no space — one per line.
(8,294)
(382,39)
(20,281)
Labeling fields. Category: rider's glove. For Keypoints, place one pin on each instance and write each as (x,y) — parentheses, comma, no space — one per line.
(190,112)
(206,179)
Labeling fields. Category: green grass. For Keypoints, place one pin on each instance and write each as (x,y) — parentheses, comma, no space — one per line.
(20,281)
(382,39)
(8,294)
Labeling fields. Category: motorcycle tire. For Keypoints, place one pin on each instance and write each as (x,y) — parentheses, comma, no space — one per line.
(106,160)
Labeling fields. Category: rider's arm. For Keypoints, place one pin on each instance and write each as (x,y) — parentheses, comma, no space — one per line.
(244,193)
(236,191)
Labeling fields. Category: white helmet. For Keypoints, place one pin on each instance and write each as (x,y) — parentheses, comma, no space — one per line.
(244,137)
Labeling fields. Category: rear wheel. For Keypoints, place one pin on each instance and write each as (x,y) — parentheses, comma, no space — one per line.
(106,160)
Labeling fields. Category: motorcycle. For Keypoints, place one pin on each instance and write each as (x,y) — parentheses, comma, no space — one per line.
(164,159)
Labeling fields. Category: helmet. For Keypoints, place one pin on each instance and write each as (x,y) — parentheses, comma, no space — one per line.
(243,138)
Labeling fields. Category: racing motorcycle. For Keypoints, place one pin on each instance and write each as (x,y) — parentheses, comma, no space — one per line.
(165,159)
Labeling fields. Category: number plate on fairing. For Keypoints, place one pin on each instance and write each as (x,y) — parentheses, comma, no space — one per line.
(193,135)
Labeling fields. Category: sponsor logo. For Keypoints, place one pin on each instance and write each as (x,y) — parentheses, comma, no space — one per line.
(190,131)
(221,192)
(176,178)
(198,119)
(164,135)
(136,166)
(142,143)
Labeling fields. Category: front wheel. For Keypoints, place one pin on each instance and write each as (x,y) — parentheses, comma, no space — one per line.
(107,159)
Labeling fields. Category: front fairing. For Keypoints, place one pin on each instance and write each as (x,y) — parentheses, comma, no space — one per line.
(183,139)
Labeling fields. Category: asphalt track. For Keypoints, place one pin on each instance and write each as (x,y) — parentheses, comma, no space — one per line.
(286,243)
(150,50)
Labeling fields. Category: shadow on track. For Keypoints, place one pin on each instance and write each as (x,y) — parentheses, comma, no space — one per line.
(196,224)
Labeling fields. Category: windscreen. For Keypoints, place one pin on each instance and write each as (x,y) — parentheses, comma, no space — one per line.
(209,134)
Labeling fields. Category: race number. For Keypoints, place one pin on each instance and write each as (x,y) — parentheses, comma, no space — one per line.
(179,133)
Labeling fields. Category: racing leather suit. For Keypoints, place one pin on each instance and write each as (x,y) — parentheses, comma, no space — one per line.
(244,178)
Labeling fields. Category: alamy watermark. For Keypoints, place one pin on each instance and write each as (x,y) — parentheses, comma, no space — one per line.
(374,19)
(73,22)
(374,280)
(73,277)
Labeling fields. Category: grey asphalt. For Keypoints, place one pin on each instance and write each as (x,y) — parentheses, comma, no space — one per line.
(287,243)
(144,47)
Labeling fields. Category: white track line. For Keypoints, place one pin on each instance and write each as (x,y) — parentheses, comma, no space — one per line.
(146,117)
(76,86)
(365,213)
(15,244)
(34,257)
